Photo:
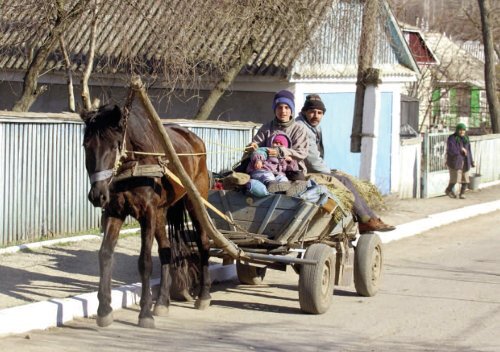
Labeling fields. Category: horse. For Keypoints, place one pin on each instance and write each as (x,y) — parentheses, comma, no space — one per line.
(123,158)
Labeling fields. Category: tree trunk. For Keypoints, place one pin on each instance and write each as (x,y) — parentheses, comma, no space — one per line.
(365,61)
(69,74)
(87,103)
(224,83)
(30,84)
(489,66)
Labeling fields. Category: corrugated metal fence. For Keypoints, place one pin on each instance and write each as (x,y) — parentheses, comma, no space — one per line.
(43,181)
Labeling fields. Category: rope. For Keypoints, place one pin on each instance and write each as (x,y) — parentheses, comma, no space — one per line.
(163,154)
(226,147)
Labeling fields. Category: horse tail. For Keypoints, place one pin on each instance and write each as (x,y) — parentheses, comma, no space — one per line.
(184,270)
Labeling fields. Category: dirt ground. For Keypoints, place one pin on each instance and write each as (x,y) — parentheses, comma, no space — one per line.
(66,270)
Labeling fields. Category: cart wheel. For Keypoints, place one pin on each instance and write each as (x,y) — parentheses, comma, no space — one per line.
(250,275)
(316,282)
(368,260)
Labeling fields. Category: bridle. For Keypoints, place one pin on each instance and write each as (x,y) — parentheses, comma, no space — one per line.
(121,153)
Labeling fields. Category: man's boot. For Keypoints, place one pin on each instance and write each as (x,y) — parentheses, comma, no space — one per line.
(449,191)
(462,190)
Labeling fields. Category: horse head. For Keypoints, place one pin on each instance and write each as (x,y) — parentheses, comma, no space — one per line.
(103,142)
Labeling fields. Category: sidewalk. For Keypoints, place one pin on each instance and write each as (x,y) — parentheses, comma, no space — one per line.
(58,282)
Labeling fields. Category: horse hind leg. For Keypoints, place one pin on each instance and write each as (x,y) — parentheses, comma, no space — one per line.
(204,297)
(164,252)
(111,231)
(148,223)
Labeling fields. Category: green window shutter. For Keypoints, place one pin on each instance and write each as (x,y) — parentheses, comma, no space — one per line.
(475,107)
(436,97)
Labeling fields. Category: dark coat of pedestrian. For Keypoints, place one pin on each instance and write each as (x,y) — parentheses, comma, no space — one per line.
(459,160)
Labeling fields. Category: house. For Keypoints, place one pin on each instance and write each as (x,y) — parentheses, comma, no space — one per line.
(451,88)
(322,59)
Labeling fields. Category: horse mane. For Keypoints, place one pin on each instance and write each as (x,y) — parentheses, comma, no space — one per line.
(140,130)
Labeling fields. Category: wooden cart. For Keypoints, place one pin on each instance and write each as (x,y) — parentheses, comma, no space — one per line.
(278,230)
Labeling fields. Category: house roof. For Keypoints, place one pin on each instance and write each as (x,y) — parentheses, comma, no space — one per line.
(149,35)
(420,50)
(456,64)
(334,53)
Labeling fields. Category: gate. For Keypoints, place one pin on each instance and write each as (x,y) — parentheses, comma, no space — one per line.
(435,174)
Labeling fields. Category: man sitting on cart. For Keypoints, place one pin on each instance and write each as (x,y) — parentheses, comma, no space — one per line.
(310,116)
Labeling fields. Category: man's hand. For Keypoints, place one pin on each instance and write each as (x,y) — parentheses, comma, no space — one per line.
(251,147)
(464,151)
(272,151)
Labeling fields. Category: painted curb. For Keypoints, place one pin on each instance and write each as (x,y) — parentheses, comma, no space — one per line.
(55,312)
(437,220)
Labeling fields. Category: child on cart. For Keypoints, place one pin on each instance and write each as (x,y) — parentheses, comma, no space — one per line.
(271,170)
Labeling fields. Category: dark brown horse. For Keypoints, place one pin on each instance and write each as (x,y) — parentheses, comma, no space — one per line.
(127,179)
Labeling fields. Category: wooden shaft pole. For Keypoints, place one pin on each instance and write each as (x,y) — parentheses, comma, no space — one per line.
(193,194)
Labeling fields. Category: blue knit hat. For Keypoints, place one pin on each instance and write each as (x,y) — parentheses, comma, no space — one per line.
(284,97)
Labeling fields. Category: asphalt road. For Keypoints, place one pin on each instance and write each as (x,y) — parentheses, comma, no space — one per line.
(440,292)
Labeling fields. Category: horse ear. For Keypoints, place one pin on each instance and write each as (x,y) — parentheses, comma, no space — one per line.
(115,116)
(86,115)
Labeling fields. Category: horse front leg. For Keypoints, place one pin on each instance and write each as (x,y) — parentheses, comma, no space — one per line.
(203,244)
(148,226)
(111,226)
(164,252)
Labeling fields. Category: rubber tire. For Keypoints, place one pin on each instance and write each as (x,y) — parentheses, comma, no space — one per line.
(250,275)
(368,263)
(316,282)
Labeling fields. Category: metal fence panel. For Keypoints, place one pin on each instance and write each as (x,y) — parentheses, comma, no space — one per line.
(43,181)
(44,184)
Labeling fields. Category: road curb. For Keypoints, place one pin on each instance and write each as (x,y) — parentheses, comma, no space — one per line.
(439,219)
(55,312)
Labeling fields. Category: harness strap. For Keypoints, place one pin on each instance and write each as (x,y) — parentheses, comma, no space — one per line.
(141,171)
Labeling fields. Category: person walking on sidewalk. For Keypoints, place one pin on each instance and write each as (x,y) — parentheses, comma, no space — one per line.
(311,115)
(459,161)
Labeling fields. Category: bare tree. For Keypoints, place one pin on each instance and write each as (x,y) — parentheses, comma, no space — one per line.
(489,67)
(69,75)
(62,19)
(87,103)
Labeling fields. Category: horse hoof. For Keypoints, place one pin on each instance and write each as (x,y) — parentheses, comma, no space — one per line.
(105,320)
(185,294)
(160,311)
(202,304)
(147,323)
